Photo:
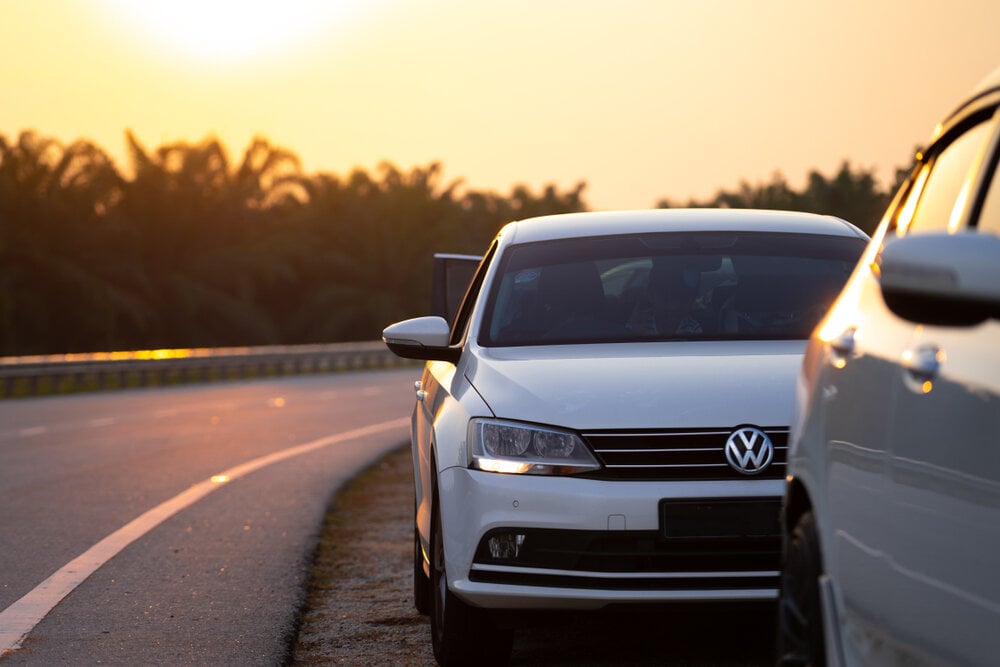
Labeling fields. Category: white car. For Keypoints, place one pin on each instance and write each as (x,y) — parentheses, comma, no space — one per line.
(892,510)
(605,421)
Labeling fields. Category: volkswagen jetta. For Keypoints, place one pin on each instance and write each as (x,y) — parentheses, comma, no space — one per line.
(605,420)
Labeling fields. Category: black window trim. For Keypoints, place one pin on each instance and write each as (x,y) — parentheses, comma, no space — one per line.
(984,178)
(461,325)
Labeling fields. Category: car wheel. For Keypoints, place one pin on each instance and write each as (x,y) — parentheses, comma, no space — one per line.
(460,633)
(421,584)
(800,616)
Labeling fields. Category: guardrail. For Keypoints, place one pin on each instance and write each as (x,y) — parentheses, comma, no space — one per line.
(66,373)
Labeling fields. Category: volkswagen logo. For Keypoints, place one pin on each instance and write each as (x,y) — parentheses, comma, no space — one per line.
(749,450)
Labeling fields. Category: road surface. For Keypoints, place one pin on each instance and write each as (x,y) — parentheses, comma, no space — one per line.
(167,526)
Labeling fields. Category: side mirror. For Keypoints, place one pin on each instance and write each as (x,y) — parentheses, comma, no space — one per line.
(424,338)
(942,279)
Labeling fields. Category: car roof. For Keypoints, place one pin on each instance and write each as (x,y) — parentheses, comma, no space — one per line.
(606,223)
(983,96)
(991,82)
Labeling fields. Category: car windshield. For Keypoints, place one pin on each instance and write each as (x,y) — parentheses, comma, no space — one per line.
(668,286)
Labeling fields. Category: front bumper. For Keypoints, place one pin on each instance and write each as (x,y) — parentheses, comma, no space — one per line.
(591,543)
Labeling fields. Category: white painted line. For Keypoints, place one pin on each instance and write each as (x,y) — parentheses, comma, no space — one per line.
(33,430)
(17,620)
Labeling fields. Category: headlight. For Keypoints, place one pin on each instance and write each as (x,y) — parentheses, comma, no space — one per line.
(502,446)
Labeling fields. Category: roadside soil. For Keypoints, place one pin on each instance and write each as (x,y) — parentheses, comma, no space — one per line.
(359,608)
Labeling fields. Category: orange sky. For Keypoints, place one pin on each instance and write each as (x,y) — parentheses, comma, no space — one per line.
(643,99)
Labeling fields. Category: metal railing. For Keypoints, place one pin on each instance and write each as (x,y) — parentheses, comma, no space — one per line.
(67,373)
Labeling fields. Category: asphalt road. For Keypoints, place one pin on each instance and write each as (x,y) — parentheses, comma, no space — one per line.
(184,569)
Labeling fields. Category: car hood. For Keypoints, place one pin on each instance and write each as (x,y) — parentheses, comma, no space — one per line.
(641,385)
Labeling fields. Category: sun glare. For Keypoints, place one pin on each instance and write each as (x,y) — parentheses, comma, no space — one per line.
(227,31)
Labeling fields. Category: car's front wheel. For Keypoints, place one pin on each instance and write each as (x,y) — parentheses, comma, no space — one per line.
(800,615)
(460,633)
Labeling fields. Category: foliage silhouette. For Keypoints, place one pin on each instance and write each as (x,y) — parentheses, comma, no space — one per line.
(195,250)
(852,195)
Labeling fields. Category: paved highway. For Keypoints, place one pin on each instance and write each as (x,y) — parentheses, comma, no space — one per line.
(167,526)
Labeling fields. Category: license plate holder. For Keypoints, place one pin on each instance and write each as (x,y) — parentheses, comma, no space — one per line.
(719,517)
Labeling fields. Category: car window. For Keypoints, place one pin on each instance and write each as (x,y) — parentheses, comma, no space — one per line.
(674,286)
(937,199)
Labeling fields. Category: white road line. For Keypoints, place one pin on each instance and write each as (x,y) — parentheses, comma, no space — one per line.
(17,620)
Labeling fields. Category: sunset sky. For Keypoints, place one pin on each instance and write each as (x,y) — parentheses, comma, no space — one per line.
(642,99)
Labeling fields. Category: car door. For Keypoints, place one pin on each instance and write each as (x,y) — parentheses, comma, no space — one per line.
(864,391)
(944,481)
(853,406)
(452,275)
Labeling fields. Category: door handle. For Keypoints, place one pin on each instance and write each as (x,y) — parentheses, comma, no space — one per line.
(843,346)
(923,363)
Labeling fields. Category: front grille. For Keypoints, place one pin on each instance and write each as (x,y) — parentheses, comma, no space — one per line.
(765,581)
(635,551)
(624,560)
(676,454)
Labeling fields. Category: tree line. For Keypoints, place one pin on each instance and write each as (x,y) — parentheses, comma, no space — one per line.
(189,248)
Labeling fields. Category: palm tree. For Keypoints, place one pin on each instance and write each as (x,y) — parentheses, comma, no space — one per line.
(202,231)
(61,288)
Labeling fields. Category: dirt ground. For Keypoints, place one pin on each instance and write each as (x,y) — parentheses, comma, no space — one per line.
(359,608)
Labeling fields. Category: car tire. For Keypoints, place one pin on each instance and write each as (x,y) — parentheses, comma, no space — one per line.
(421,583)
(460,633)
(800,615)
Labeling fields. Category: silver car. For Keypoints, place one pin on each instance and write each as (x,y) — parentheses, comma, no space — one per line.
(892,506)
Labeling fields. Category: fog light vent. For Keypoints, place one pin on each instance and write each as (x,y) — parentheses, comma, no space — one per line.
(505,546)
